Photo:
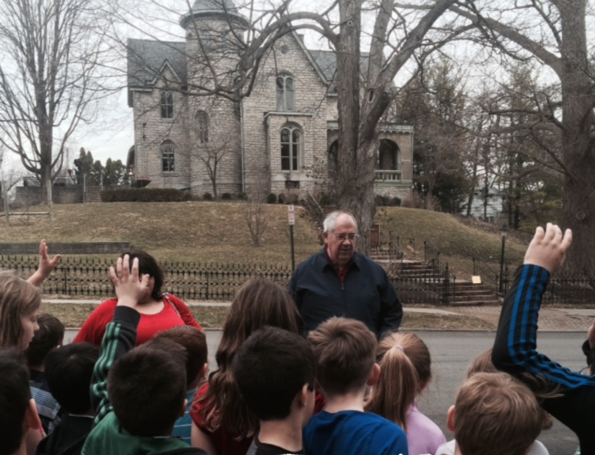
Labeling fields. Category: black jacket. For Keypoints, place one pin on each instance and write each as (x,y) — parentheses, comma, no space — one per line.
(366,294)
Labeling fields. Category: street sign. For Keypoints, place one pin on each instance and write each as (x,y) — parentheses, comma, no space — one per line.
(291,214)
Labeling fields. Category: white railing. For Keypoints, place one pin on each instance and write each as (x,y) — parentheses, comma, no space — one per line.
(388,176)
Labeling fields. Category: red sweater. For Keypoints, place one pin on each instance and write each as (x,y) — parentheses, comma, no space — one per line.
(94,327)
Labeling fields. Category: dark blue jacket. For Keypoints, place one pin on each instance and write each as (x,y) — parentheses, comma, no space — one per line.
(366,294)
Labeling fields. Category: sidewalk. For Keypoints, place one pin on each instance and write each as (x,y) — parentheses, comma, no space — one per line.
(550,319)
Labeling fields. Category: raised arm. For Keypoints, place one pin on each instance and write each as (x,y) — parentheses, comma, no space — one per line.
(515,345)
(46,265)
(120,334)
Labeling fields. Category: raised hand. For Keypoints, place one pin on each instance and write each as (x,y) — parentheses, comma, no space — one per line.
(46,265)
(548,248)
(129,287)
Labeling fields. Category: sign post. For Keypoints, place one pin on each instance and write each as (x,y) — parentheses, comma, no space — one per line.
(291,219)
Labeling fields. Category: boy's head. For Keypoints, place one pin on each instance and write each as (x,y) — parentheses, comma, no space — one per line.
(17,409)
(68,371)
(49,336)
(274,370)
(195,343)
(345,351)
(494,414)
(147,388)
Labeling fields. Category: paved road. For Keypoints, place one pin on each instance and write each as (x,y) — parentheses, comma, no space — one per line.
(451,354)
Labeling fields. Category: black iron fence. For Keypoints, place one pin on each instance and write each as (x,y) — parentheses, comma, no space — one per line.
(82,276)
(88,277)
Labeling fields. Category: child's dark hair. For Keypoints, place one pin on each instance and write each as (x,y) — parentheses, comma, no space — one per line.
(68,371)
(14,399)
(147,265)
(270,369)
(345,351)
(147,388)
(405,369)
(195,343)
(49,336)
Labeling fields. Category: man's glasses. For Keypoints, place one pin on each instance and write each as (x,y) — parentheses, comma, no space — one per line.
(343,237)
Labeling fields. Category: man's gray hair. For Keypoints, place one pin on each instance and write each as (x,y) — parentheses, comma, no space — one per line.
(329,222)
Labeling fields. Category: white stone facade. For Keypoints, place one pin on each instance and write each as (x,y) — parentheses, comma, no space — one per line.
(276,140)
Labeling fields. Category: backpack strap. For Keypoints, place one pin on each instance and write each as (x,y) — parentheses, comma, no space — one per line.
(166,297)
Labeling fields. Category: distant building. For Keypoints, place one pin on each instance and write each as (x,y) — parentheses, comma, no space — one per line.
(283,137)
(487,204)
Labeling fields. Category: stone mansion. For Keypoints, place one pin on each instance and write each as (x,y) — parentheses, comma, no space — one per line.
(283,137)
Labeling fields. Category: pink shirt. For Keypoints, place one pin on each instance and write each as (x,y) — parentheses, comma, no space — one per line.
(423,436)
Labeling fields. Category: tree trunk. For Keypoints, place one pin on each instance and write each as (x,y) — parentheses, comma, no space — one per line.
(356,160)
(577,110)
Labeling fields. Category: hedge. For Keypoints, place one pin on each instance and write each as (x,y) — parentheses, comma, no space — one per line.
(142,195)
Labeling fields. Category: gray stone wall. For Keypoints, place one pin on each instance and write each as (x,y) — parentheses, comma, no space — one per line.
(263,124)
(243,139)
(32,195)
(151,131)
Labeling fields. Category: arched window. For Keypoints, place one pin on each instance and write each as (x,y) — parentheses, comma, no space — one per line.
(388,156)
(168,156)
(167,104)
(202,127)
(285,93)
(291,148)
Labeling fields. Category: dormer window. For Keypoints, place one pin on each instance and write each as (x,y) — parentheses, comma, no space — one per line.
(285,93)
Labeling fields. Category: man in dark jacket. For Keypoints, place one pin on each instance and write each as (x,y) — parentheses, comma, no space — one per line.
(338,281)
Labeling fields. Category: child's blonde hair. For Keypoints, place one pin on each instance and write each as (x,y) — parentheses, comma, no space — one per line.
(495,414)
(405,369)
(17,298)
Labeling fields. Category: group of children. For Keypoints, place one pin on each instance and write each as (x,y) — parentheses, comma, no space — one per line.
(338,391)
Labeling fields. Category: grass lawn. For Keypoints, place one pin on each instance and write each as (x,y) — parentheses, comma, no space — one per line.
(216,232)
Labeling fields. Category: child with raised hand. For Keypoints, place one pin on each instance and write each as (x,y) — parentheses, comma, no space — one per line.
(19,310)
(137,393)
(516,339)
(405,371)
(345,351)
(483,364)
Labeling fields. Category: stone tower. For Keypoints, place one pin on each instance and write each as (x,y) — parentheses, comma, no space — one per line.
(214,34)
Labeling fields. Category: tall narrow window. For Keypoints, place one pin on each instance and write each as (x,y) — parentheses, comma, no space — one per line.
(285,93)
(202,127)
(291,148)
(168,156)
(167,104)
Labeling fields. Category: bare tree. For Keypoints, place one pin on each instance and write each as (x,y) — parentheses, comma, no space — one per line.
(553,33)
(49,77)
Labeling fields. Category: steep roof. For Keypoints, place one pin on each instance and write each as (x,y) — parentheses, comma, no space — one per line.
(327,62)
(147,58)
(200,6)
(223,9)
